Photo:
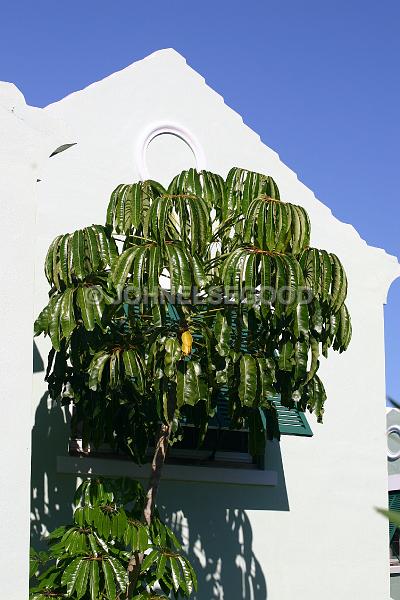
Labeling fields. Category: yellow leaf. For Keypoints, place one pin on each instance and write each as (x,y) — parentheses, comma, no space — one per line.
(187,341)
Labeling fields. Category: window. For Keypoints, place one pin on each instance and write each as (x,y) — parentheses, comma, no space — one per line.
(224,446)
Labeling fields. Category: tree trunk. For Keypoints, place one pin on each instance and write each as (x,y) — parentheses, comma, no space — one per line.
(157,464)
(156,471)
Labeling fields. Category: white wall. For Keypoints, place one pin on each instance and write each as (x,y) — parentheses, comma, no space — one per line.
(330,543)
(27,138)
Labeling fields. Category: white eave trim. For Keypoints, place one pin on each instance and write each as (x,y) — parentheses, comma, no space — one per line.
(77,465)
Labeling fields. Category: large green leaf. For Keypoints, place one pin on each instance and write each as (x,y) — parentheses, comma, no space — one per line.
(222,332)
(344,331)
(266,378)
(120,573)
(134,368)
(67,315)
(301,323)
(109,580)
(248,380)
(123,264)
(285,356)
(85,303)
(82,579)
(70,575)
(173,353)
(94,578)
(191,384)
(96,368)
(339,283)
(54,320)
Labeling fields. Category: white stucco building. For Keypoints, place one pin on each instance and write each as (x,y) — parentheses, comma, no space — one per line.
(308,528)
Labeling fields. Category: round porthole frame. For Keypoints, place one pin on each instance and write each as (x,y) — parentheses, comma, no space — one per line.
(393,429)
(156,129)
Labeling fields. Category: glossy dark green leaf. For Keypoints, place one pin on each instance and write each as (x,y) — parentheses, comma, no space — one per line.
(109,580)
(248,380)
(266,378)
(300,358)
(134,368)
(339,283)
(316,396)
(94,578)
(137,208)
(199,273)
(67,314)
(85,303)
(222,332)
(106,246)
(82,579)
(189,574)
(149,560)
(78,254)
(344,331)
(191,384)
(161,564)
(120,573)
(314,358)
(173,353)
(70,574)
(42,322)
(301,321)
(285,356)
(96,368)
(122,266)
(326,274)
(177,579)
(92,247)
(54,320)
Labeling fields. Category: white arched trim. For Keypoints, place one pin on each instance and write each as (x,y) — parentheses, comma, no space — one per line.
(161,128)
(393,429)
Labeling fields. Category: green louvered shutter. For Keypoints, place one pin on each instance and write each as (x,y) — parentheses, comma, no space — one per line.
(394,504)
(291,420)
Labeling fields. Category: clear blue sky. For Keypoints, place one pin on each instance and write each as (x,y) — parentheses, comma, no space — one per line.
(317,79)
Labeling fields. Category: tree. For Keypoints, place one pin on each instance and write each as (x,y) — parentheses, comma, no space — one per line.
(210,284)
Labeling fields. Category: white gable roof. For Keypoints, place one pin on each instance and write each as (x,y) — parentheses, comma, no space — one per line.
(110,118)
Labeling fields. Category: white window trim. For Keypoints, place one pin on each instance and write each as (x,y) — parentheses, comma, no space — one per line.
(395,569)
(82,465)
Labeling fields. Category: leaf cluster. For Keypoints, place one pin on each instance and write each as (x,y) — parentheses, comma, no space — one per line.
(138,336)
(88,559)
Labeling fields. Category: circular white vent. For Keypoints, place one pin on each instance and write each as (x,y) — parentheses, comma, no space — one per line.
(393,429)
(173,148)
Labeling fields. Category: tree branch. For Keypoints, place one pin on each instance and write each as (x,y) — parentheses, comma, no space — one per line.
(157,464)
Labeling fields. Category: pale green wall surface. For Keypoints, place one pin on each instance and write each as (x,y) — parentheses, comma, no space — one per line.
(241,539)
(395,587)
